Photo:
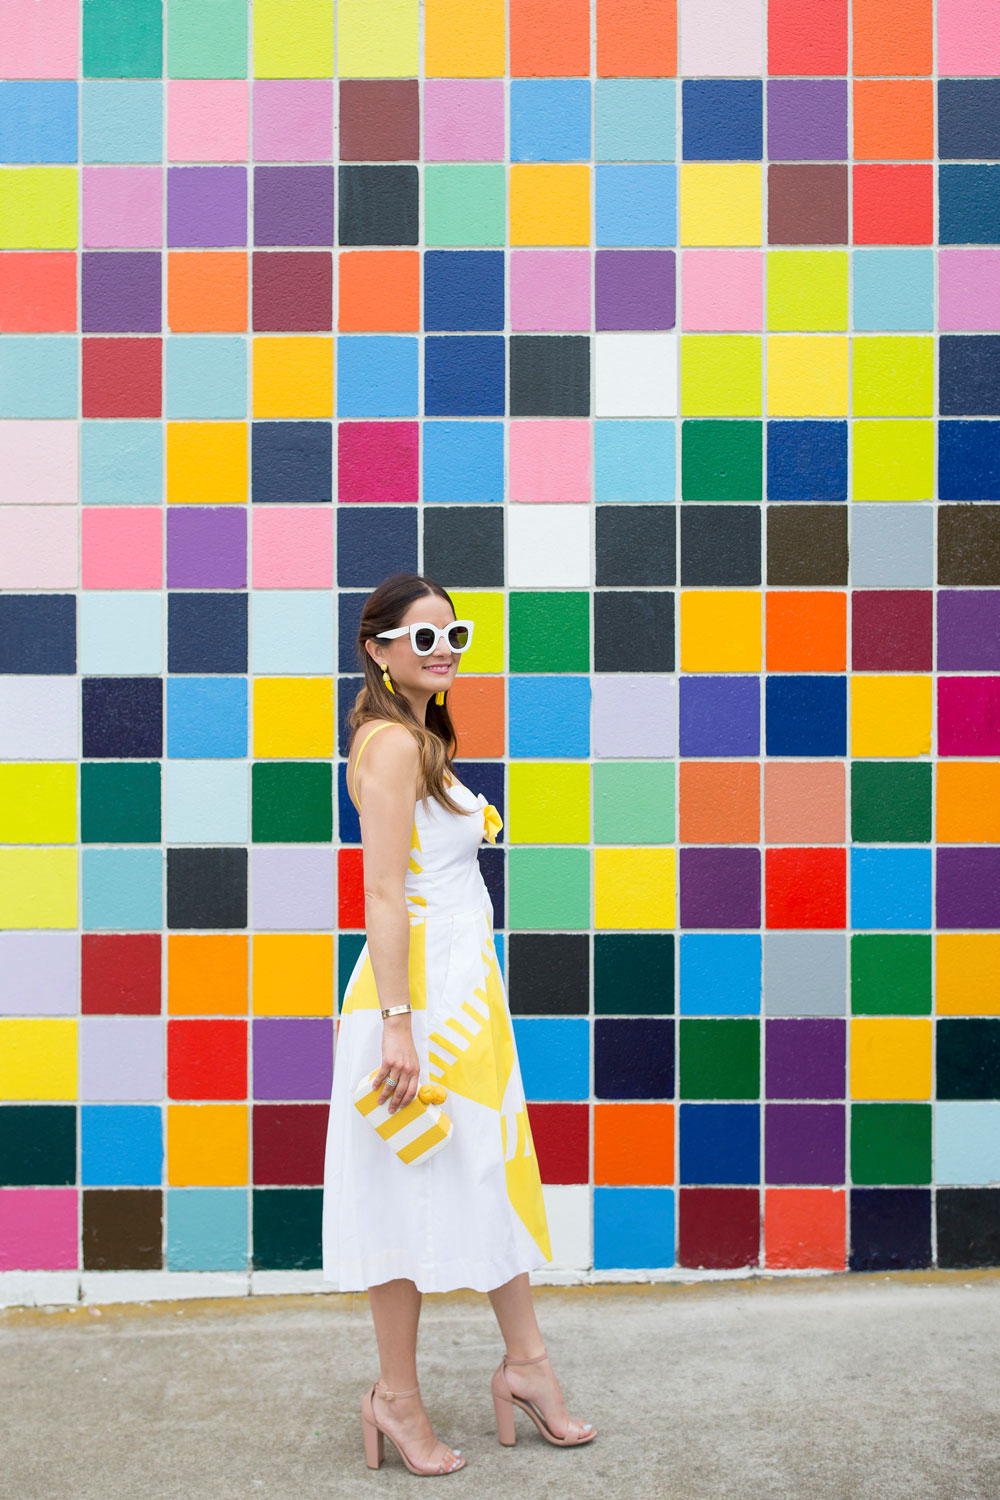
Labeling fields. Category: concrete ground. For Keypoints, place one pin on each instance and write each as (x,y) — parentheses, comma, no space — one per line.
(834,1388)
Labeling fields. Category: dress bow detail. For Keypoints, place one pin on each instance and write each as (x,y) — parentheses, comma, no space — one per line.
(491,819)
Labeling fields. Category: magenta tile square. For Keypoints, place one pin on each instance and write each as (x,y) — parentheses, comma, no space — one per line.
(464,119)
(804,1143)
(38,1229)
(720,888)
(206,207)
(293,890)
(207,547)
(634,289)
(378,462)
(805,1059)
(292,1058)
(968,888)
(293,119)
(969,716)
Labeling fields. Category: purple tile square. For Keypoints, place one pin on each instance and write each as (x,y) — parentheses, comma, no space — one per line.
(807,119)
(293,890)
(635,289)
(293,206)
(805,1059)
(120,291)
(804,1143)
(720,716)
(292,1058)
(207,547)
(206,206)
(968,888)
(968,632)
(720,888)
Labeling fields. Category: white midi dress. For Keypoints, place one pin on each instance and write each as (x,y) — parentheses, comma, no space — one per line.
(472,1215)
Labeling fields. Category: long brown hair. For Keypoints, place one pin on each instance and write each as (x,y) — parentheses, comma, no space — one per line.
(437,742)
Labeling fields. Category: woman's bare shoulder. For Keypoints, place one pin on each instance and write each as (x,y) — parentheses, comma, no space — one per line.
(393,751)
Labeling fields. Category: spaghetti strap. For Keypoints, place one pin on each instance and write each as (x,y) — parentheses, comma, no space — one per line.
(361,751)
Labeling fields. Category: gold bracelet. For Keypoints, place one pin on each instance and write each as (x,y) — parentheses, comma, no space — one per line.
(397,1010)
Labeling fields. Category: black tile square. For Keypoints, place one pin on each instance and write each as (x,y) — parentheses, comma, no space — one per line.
(207,888)
(807,544)
(123,718)
(548,973)
(549,375)
(636,544)
(633,631)
(634,973)
(968,1057)
(720,545)
(633,1059)
(463,545)
(379,205)
(207,632)
(890,1229)
(968,1227)
(37,1145)
(373,542)
(493,867)
(38,633)
(287,1228)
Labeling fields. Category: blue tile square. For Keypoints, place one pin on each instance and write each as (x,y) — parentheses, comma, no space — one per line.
(894,288)
(806,715)
(207,1229)
(463,290)
(634,461)
(634,119)
(549,716)
(969,460)
(38,376)
(633,1227)
(373,542)
(719,716)
(493,868)
(347,690)
(488,777)
(205,377)
(38,634)
(122,718)
(891,888)
(465,376)
(121,632)
(807,461)
(292,632)
(463,462)
(349,608)
(720,974)
(207,632)
(719,1143)
(969,204)
(723,119)
(206,717)
(554,1053)
(122,120)
(348,824)
(292,462)
(550,119)
(121,890)
(377,376)
(633,1059)
(969,375)
(969,118)
(967,1142)
(636,205)
(121,463)
(38,120)
(121,1145)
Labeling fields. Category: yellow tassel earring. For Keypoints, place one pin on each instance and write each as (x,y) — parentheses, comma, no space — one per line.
(385,679)
(439,699)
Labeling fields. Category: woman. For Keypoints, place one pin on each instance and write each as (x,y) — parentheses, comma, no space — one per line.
(426,1004)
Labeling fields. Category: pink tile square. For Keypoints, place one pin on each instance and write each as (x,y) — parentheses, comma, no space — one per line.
(968,38)
(208,119)
(123,547)
(722,291)
(38,463)
(122,207)
(464,119)
(969,288)
(550,461)
(39,39)
(38,547)
(293,119)
(38,1229)
(378,462)
(550,291)
(293,547)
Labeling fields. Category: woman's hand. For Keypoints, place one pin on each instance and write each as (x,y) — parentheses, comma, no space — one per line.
(399,1061)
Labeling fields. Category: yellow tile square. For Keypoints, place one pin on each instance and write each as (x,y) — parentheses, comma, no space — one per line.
(890,1058)
(893,461)
(891,714)
(548,803)
(893,376)
(207,463)
(634,889)
(37,1058)
(378,38)
(720,630)
(293,716)
(807,289)
(968,973)
(721,375)
(292,974)
(721,203)
(486,654)
(293,376)
(806,376)
(37,803)
(464,39)
(549,205)
(38,888)
(293,41)
(207,1145)
(38,208)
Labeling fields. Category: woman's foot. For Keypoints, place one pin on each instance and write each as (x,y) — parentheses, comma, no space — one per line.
(537,1383)
(404,1418)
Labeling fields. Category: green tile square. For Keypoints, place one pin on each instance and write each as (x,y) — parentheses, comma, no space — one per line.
(719,1059)
(287,1229)
(292,802)
(891,974)
(634,974)
(349,946)
(722,461)
(37,1145)
(122,38)
(120,802)
(891,802)
(549,632)
(207,38)
(465,205)
(890,1144)
(634,802)
(548,889)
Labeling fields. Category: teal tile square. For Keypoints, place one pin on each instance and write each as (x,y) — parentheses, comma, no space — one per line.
(634,119)
(292,632)
(634,461)
(121,463)
(207,1229)
(548,889)
(123,38)
(894,288)
(207,38)
(634,802)
(38,376)
(120,633)
(122,890)
(205,378)
(121,120)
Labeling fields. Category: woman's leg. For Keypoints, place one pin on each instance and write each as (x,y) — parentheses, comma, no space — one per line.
(515,1313)
(395,1309)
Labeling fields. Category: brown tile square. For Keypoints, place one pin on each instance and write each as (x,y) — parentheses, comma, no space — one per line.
(807,544)
(807,205)
(122,1229)
(379,119)
(969,544)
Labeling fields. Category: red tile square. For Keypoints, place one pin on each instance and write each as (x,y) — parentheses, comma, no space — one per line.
(289,1142)
(561,1133)
(805,1229)
(206,1059)
(292,291)
(38,291)
(121,377)
(807,39)
(893,205)
(350,889)
(892,630)
(120,974)
(719,1228)
(805,887)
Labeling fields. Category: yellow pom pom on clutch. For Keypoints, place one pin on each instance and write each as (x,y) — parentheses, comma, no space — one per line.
(416,1131)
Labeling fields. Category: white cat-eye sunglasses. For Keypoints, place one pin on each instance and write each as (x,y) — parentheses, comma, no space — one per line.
(424,637)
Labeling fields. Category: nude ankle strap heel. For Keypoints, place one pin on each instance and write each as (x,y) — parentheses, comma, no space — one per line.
(375,1436)
(504,1402)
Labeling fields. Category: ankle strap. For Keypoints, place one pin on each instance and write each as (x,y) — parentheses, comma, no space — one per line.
(388,1395)
(537,1360)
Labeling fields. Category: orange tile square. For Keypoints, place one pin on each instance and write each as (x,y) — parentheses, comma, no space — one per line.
(719,802)
(477,711)
(207,974)
(38,291)
(207,291)
(633,1144)
(894,119)
(806,632)
(804,802)
(379,291)
(893,36)
(968,802)
(805,1229)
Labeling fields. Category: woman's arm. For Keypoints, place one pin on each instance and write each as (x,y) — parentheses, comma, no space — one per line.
(387,791)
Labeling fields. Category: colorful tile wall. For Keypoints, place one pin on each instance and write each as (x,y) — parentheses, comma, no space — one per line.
(668,338)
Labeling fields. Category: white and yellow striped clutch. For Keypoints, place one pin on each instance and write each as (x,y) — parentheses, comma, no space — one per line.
(414,1132)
